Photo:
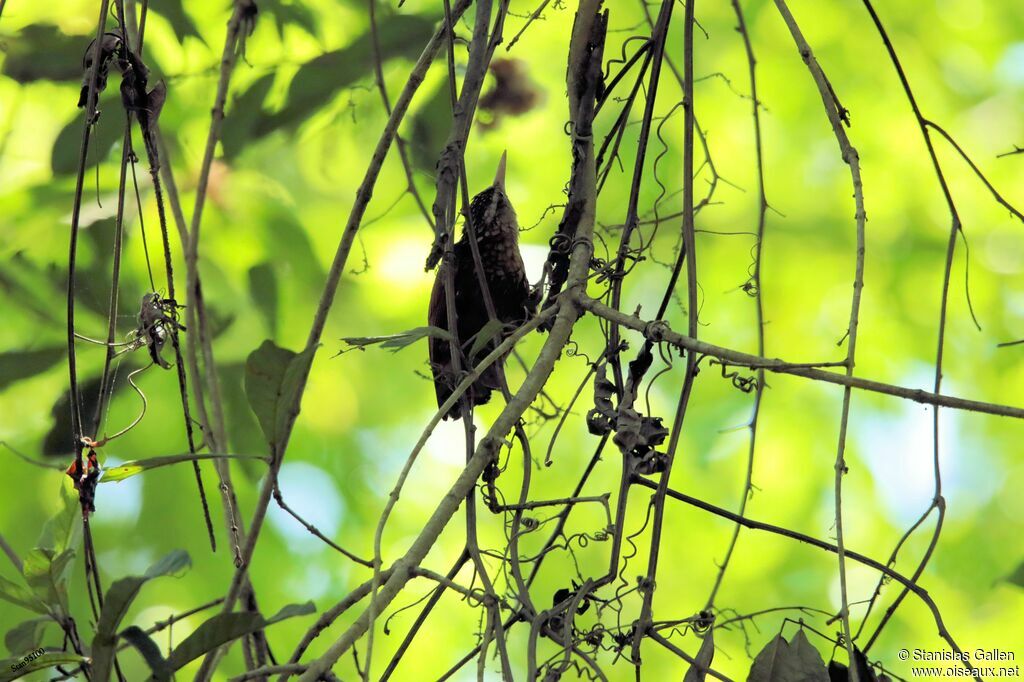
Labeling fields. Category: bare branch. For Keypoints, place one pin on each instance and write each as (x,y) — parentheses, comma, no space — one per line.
(659,331)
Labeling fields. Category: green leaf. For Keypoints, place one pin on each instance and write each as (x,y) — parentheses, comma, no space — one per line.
(287,243)
(57,441)
(219,320)
(290,13)
(319,80)
(224,628)
(431,125)
(26,636)
(395,342)
(107,132)
(14,668)
(19,595)
(145,645)
(272,378)
(218,630)
(129,469)
(116,602)
(244,116)
(244,433)
(175,562)
(698,672)
(17,365)
(46,572)
(487,333)
(263,291)
(292,611)
(28,460)
(43,52)
(1017,577)
(174,12)
(63,530)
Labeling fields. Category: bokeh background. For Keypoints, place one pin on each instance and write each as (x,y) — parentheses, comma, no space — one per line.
(281,189)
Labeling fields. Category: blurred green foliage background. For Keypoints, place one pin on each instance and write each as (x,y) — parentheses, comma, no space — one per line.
(297,141)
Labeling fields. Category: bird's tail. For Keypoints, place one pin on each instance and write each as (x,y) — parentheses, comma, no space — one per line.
(445,380)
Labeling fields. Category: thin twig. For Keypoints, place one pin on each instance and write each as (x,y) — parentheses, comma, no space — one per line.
(11,554)
(755,282)
(567,314)
(279,498)
(657,637)
(363,195)
(835,114)
(660,331)
(909,583)
(956,228)
(643,625)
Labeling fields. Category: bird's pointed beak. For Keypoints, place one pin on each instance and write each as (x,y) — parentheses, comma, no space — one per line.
(499,177)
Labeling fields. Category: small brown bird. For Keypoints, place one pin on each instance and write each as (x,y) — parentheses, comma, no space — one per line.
(497,237)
